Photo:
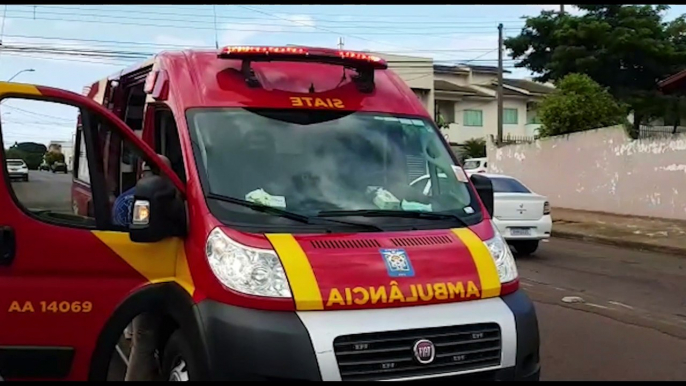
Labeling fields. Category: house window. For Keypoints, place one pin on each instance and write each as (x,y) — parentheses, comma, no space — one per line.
(473,118)
(534,120)
(510,116)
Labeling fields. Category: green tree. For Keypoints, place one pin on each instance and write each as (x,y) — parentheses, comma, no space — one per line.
(626,48)
(52,157)
(579,103)
(474,148)
(31,152)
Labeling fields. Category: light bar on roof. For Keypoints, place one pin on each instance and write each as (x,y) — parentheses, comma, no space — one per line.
(303,54)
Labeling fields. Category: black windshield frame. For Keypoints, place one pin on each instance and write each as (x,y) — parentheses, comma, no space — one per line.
(265,223)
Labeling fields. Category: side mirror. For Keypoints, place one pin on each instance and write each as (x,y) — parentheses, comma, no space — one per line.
(484,188)
(158,211)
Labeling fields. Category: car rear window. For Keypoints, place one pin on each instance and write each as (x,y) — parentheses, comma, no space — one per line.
(15,163)
(508,185)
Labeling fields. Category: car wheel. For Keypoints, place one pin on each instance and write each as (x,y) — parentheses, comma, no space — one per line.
(178,362)
(26,178)
(525,247)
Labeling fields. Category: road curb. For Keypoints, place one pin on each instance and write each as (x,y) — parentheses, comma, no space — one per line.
(619,242)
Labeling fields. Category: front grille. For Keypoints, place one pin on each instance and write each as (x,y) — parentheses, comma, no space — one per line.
(389,355)
(421,241)
(345,244)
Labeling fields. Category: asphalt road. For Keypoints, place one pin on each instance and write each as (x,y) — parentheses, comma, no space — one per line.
(45,190)
(631,324)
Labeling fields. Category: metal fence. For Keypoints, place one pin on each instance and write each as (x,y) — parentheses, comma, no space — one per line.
(659,131)
(515,139)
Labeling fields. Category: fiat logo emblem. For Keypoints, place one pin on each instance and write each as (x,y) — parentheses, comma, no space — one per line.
(424,351)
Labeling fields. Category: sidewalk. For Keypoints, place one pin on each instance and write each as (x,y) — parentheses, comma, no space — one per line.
(659,235)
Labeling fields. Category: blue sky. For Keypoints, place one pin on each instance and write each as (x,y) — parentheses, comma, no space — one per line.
(448,33)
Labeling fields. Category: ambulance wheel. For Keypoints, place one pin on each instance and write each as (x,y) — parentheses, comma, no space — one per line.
(525,247)
(178,363)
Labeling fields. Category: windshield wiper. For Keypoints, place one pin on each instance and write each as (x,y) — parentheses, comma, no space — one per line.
(392,213)
(286,214)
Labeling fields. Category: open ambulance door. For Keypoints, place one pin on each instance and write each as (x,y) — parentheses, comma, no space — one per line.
(63,274)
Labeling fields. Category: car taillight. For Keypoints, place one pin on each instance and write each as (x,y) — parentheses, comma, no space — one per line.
(546,208)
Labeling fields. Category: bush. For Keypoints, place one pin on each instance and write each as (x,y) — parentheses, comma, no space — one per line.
(52,157)
(32,159)
(578,104)
(474,148)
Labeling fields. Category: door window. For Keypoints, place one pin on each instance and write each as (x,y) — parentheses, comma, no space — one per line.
(42,135)
(167,140)
(91,191)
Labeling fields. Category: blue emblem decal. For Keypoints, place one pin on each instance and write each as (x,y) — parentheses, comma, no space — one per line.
(397,263)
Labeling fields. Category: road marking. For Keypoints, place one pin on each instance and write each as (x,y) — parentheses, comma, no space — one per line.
(596,305)
(620,304)
(526,284)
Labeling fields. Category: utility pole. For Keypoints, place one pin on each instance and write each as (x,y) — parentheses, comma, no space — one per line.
(216,37)
(562,9)
(500,84)
(341,43)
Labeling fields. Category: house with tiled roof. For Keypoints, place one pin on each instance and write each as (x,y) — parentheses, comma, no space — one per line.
(467,107)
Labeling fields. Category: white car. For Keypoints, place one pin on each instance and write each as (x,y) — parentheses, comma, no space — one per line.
(475,165)
(16,168)
(521,216)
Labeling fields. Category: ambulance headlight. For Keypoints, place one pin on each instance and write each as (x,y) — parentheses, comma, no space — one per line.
(502,255)
(244,269)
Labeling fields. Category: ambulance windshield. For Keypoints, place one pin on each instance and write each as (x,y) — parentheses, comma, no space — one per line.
(312,162)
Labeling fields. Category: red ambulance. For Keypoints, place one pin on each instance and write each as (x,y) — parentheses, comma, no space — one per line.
(284,242)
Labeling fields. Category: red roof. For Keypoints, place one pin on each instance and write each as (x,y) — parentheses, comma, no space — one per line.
(673,83)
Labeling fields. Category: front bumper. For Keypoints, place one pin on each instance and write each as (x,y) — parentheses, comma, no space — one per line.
(539,229)
(245,344)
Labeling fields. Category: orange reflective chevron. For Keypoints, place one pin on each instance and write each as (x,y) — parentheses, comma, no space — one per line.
(488,273)
(303,283)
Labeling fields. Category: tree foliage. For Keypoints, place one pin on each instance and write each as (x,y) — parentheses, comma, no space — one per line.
(578,104)
(474,148)
(31,152)
(52,157)
(626,48)
(31,147)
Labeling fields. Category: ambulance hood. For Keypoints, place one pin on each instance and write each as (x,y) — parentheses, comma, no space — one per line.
(378,270)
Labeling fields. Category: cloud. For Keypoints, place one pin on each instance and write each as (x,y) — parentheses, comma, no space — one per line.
(234,34)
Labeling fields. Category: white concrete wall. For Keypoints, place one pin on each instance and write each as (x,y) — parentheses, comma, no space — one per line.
(483,78)
(601,170)
(458,79)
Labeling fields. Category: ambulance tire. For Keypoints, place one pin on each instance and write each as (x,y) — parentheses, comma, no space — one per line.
(525,247)
(178,362)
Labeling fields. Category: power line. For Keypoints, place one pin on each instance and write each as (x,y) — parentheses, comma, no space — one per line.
(116,43)
(385,19)
(34,113)
(196,25)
